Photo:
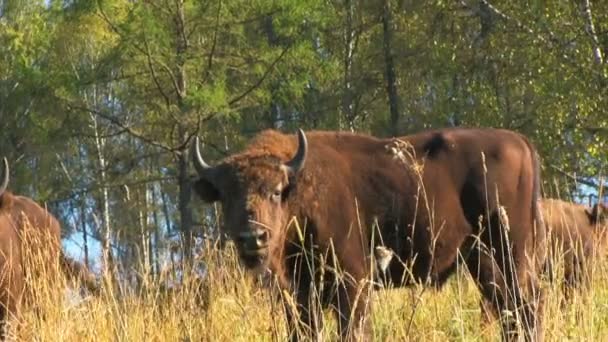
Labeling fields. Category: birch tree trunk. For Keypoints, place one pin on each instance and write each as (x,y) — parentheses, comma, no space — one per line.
(143,229)
(83,219)
(156,237)
(85,238)
(106,233)
(185,209)
(590,29)
(350,43)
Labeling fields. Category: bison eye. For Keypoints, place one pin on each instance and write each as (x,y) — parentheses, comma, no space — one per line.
(276,195)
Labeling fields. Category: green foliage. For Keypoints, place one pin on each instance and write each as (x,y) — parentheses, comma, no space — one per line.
(132,81)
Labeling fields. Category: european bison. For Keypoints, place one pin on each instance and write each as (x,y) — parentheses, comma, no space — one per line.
(20,219)
(432,198)
(575,232)
(576,235)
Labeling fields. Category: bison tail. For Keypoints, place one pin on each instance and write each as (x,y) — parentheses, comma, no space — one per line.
(77,271)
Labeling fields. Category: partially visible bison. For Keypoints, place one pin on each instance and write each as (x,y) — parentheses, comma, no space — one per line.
(432,199)
(577,234)
(20,219)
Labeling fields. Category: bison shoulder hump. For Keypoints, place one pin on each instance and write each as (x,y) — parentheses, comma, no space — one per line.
(437,143)
(6,201)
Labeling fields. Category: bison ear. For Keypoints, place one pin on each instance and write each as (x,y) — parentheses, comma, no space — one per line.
(206,191)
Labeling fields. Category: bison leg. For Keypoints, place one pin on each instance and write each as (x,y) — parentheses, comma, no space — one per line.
(352,286)
(301,300)
(578,268)
(352,310)
(304,317)
(501,294)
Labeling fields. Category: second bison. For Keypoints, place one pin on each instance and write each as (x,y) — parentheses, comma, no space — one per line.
(577,234)
(432,198)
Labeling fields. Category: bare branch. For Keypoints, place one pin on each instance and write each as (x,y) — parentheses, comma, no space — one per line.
(95,237)
(98,79)
(596,130)
(228,24)
(520,25)
(214,44)
(153,72)
(80,134)
(164,66)
(575,178)
(552,41)
(131,131)
(73,193)
(261,80)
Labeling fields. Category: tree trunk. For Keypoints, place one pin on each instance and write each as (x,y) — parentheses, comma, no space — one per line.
(590,28)
(156,223)
(276,112)
(389,64)
(185,210)
(85,238)
(350,43)
(142,214)
(105,201)
(166,214)
(181,46)
(83,220)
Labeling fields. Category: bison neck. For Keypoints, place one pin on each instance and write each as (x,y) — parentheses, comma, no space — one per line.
(351,198)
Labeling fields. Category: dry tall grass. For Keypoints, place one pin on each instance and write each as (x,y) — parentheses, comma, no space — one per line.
(240,310)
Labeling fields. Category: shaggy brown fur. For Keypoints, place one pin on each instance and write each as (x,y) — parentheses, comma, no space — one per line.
(577,235)
(428,208)
(21,218)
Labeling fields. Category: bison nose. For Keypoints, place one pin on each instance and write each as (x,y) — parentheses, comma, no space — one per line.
(262,238)
(257,237)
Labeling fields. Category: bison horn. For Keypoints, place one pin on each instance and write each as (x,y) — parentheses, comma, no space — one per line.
(297,163)
(4,183)
(199,163)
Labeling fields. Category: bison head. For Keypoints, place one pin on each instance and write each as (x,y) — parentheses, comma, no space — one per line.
(253,190)
(598,214)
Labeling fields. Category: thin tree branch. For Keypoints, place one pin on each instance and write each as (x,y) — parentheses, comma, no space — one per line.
(59,197)
(153,72)
(214,44)
(123,126)
(518,23)
(552,41)
(103,136)
(228,24)
(141,50)
(575,178)
(95,237)
(261,80)
(97,79)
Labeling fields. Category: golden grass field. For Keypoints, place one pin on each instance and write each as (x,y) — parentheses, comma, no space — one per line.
(240,310)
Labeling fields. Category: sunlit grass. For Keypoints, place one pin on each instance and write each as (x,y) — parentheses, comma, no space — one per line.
(241,310)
